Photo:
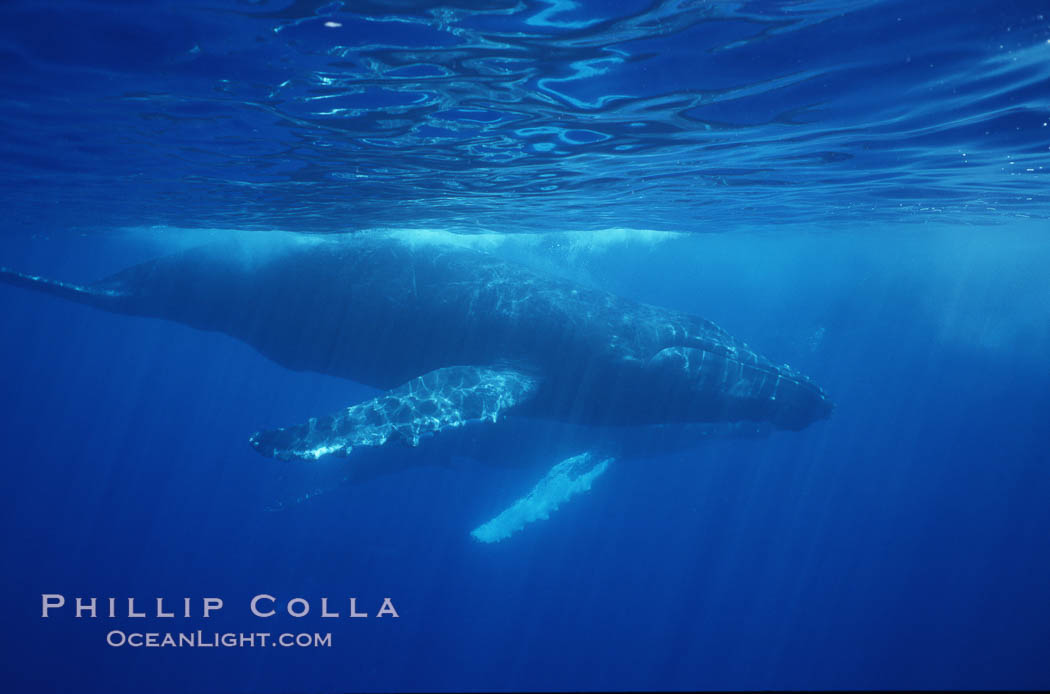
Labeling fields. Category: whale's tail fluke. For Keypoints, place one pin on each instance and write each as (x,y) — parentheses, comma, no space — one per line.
(93,296)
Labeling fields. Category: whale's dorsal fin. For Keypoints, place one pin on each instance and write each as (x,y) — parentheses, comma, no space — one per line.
(437,401)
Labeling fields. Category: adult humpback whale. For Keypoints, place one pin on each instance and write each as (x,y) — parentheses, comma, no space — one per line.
(460,340)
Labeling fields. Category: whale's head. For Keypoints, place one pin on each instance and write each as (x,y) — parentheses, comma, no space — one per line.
(799,402)
(720,383)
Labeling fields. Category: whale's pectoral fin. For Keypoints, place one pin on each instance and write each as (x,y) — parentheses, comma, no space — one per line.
(562,482)
(93,295)
(437,401)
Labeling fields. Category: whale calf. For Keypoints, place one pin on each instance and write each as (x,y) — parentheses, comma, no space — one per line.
(462,342)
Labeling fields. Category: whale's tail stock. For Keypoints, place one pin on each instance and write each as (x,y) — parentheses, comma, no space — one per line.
(108,299)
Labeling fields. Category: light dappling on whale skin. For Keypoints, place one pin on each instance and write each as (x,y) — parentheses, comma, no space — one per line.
(462,341)
(440,400)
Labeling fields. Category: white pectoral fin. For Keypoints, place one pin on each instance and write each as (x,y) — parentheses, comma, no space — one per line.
(438,401)
(562,482)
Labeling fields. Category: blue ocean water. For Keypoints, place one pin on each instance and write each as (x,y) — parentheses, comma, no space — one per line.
(856,188)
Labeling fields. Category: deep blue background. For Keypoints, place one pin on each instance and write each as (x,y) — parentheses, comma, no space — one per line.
(899,544)
(860,191)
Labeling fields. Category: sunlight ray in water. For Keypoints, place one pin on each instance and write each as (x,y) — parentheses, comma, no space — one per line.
(746,300)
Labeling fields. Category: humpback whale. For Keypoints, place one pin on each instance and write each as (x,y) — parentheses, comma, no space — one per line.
(463,345)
